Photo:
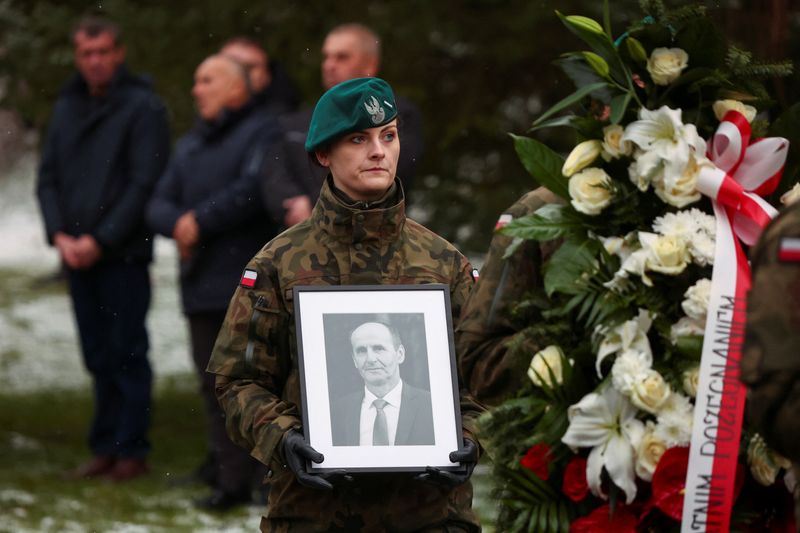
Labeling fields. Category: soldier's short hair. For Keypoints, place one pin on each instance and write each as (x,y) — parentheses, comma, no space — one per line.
(368,39)
(94,25)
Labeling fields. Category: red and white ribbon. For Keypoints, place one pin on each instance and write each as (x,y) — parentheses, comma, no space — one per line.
(742,172)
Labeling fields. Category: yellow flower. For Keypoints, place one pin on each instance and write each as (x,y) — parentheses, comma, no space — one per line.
(590,191)
(648,453)
(764,462)
(581,157)
(543,363)
(792,195)
(650,392)
(721,107)
(666,64)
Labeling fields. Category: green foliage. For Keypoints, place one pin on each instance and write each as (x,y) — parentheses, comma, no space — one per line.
(547,223)
(542,163)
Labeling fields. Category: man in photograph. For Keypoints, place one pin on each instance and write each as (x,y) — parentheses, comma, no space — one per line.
(387,411)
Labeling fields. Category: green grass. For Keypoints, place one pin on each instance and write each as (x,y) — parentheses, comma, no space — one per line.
(42,436)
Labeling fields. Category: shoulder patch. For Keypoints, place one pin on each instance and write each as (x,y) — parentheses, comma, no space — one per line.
(475,274)
(504,219)
(789,250)
(249,278)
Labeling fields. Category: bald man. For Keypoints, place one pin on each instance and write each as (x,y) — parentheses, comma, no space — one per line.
(292,184)
(208,201)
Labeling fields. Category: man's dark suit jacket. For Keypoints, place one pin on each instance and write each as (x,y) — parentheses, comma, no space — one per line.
(414,425)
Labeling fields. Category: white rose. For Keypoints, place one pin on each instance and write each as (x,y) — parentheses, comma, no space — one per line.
(690,379)
(629,368)
(675,421)
(543,363)
(791,196)
(721,107)
(648,453)
(695,303)
(681,191)
(764,463)
(613,145)
(651,392)
(581,157)
(684,328)
(590,191)
(666,64)
(666,253)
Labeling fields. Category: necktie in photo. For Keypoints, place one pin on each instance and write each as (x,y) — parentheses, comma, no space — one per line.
(380,431)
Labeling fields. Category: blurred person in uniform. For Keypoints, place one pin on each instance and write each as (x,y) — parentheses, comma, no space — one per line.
(358,234)
(770,361)
(292,185)
(107,143)
(493,355)
(272,89)
(208,201)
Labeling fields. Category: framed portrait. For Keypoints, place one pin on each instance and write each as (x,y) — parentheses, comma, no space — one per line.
(378,376)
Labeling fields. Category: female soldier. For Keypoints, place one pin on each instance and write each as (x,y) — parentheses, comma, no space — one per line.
(357,235)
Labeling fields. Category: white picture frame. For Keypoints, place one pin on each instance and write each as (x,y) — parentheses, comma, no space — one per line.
(334,324)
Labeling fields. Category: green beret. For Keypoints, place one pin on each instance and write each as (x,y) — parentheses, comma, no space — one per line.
(353,105)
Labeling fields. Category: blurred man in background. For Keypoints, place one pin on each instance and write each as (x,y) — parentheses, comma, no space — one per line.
(273,91)
(107,144)
(208,201)
(292,183)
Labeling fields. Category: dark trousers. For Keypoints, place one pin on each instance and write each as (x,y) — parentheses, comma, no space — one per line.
(110,303)
(236,470)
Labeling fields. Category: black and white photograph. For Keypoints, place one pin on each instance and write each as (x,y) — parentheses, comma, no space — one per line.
(378,376)
(378,379)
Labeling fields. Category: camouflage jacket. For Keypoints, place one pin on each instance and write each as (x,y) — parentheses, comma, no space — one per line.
(770,361)
(257,372)
(487,327)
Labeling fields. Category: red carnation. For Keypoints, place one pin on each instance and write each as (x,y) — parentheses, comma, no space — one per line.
(669,482)
(536,460)
(574,485)
(601,521)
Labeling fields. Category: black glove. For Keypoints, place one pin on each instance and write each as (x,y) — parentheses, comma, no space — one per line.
(467,457)
(297,451)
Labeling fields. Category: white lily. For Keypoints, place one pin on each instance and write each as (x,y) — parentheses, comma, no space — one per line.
(628,337)
(663,136)
(606,421)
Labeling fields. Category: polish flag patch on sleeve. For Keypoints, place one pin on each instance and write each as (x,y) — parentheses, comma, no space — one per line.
(249,278)
(504,219)
(789,250)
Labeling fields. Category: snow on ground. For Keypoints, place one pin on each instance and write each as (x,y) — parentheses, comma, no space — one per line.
(38,341)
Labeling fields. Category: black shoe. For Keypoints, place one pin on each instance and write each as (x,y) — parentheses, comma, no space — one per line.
(220,500)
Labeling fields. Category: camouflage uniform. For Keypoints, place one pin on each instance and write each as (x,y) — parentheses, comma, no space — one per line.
(256,365)
(488,369)
(771,356)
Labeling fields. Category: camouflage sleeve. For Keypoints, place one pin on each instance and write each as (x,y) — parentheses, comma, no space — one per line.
(770,358)
(459,292)
(252,362)
(488,327)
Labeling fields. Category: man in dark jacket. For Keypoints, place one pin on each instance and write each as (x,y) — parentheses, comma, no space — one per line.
(292,183)
(208,201)
(107,144)
(273,90)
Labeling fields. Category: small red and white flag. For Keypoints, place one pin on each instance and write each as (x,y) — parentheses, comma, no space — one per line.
(789,250)
(504,219)
(249,278)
